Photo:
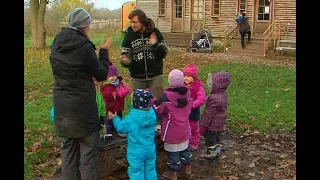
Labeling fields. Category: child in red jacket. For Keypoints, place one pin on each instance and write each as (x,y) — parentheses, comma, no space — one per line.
(114,92)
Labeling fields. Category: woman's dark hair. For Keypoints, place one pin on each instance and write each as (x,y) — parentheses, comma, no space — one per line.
(143,19)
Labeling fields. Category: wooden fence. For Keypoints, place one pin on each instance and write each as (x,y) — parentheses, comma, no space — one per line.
(110,23)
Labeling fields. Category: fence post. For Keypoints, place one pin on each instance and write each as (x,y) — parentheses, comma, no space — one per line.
(225,43)
(264,47)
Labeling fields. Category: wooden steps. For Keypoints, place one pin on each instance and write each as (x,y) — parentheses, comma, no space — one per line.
(252,48)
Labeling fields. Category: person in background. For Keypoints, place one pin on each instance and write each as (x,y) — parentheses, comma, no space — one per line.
(244,28)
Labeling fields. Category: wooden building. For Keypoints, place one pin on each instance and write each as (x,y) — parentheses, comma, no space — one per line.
(187,16)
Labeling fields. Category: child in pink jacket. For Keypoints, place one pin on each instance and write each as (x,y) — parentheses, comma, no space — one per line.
(174,107)
(199,97)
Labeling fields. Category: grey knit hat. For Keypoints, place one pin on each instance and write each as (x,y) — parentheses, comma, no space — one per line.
(79,18)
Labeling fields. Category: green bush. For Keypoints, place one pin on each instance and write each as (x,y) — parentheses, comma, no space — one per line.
(218,46)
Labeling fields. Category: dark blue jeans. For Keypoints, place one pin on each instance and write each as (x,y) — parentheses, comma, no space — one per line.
(175,159)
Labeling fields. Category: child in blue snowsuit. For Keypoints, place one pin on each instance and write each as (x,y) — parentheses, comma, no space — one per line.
(139,125)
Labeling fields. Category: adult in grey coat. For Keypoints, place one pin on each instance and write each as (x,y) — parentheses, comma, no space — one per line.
(74,62)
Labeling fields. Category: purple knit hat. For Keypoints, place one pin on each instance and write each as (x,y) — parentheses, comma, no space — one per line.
(176,78)
(191,70)
(112,70)
(219,80)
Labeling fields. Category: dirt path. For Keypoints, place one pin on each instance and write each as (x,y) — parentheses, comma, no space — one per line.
(247,156)
(250,156)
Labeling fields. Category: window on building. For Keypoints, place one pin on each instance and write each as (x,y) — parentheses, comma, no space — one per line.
(178,8)
(242,6)
(215,8)
(162,7)
(197,9)
(264,10)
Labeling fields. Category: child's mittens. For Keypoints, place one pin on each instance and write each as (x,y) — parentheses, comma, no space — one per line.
(111,115)
(202,130)
(152,101)
(155,107)
(125,60)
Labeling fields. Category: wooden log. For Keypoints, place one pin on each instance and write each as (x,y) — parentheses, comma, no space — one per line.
(112,157)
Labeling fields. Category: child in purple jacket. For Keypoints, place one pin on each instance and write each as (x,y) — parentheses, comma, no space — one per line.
(174,107)
(214,116)
(199,97)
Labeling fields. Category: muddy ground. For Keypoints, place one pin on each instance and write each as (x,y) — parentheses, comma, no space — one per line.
(245,156)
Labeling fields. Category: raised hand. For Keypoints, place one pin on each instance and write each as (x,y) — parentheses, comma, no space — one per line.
(153,38)
(110,115)
(107,44)
(125,59)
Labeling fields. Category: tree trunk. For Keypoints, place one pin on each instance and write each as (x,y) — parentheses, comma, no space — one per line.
(37,23)
(34,6)
(41,26)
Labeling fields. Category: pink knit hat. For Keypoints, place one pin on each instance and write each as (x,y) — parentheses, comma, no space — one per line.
(176,78)
(191,70)
(112,70)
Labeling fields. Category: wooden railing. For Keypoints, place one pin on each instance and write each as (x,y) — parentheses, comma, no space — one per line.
(272,32)
(229,33)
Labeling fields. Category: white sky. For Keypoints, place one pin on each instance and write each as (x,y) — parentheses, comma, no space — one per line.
(110,4)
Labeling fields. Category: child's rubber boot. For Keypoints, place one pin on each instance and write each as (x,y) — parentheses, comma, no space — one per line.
(211,153)
(122,135)
(188,170)
(219,147)
(168,174)
(106,134)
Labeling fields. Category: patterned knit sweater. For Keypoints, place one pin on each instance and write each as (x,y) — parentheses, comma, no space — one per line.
(146,59)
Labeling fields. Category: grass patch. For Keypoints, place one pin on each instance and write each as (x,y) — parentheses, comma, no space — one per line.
(261,97)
